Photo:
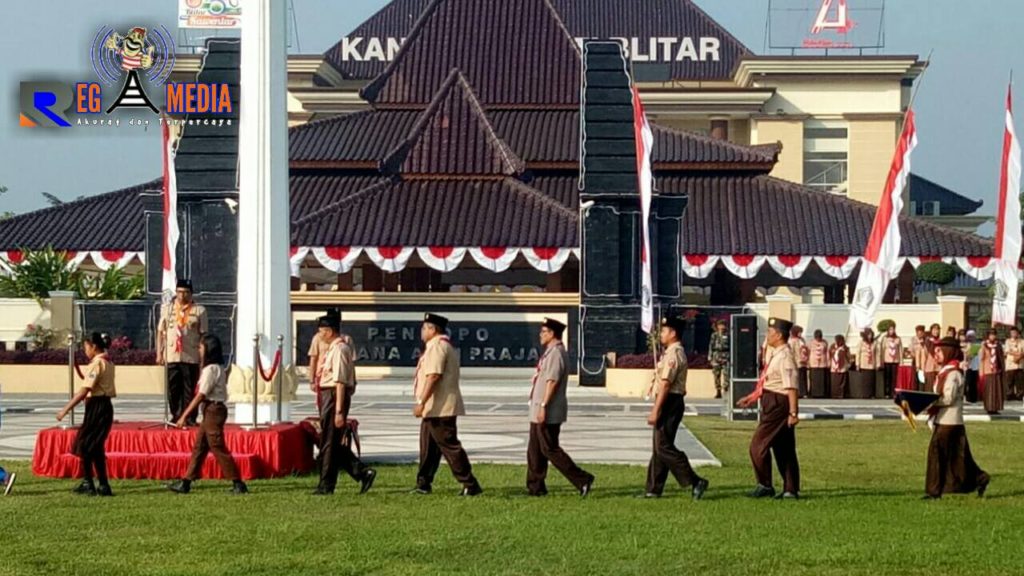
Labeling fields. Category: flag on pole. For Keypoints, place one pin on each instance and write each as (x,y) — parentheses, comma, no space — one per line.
(169,281)
(1008,232)
(883,247)
(644,148)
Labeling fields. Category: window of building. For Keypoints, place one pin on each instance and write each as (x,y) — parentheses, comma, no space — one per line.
(826,156)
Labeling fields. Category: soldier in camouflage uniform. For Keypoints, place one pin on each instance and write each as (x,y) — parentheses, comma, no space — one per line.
(719,357)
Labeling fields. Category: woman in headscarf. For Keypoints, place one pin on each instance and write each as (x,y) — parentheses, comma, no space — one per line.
(991,364)
(839,356)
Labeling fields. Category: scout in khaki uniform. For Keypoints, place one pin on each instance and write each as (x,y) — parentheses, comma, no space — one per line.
(439,404)
(548,410)
(211,395)
(1014,375)
(839,356)
(818,364)
(182,325)
(337,382)
(892,355)
(97,392)
(802,354)
(318,348)
(776,431)
(991,367)
(951,467)
(720,357)
(669,389)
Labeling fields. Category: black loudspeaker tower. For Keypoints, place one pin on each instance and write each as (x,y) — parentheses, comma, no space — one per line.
(743,356)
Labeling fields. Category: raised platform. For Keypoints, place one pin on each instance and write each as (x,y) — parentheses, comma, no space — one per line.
(146,450)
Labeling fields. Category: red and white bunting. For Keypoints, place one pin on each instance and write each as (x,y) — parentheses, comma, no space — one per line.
(441,258)
(75,259)
(337,259)
(390,258)
(547,260)
(699,266)
(12,257)
(977,267)
(745,266)
(296,256)
(789,267)
(107,259)
(897,266)
(838,267)
(495,259)
(916,261)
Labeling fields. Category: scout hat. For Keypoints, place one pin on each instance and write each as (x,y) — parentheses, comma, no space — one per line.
(912,403)
(676,323)
(555,326)
(329,321)
(334,312)
(440,321)
(783,326)
(185,283)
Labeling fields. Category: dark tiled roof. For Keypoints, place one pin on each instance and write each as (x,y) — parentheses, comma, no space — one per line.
(950,203)
(453,136)
(537,136)
(111,221)
(312,192)
(514,53)
(440,213)
(642,19)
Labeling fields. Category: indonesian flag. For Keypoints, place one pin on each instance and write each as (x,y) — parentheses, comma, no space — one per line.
(644,148)
(1008,232)
(883,247)
(170,280)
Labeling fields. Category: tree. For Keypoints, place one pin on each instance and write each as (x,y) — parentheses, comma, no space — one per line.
(43,271)
(938,273)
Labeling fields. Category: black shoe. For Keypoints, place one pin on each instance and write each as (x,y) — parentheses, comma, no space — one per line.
(788,496)
(700,488)
(104,490)
(86,488)
(181,486)
(474,490)
(321,491)
(762,492)
(983,486)
(718,395)
(239,487)
(367,482)
(648,495)
(586,488)
(539,493)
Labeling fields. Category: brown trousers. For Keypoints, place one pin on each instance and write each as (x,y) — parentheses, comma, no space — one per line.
(210,438)
(1013,384)
(818,382)
(666,457)
(802,379)
(840,383)
(775,436)
(334,455)
(440,436)
(992,393)
(951,467)
(542,448)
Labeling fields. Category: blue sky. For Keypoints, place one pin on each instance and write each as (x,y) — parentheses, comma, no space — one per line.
(960,106)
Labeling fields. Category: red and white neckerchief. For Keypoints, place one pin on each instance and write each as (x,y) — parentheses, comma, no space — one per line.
(819,351)
(181,316)
(323,360)
(870,353)
(805,352)
(416,374)
(893,345)
(946,369)
(992,359)
(835,358)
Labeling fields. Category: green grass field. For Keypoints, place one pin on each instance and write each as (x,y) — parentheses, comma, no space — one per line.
(861,515)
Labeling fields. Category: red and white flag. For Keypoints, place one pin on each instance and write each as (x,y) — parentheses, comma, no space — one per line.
(1008,232)
(170,280)
(644,149)
(883,247)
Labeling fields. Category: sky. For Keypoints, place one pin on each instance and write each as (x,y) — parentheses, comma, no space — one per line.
(959,105)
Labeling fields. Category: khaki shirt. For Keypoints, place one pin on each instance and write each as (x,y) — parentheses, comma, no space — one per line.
(195,325)
(840,357)
(441,358)
(337,366)
(892,350)
(318,348)
(951,402)
(673,367)
(801,353)
(818,354)
(867,356)
(991,359)
(923,360)
(213,383)
(99,377)
(553,365)
(1014,349)
(781,373)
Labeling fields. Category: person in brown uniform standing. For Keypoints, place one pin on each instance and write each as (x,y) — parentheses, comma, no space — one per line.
(992,365)
(548,410)
(182,325)
(211,395)
(90,441)
(336,384)
(439,404)
(1013,378)
(776,431)
(802,354)
(892,355)
(669,390)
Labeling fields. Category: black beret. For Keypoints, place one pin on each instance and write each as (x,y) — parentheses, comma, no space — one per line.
(329,321)
(185,283)
(781,325)
(555,326)
(440,321)
(676,323)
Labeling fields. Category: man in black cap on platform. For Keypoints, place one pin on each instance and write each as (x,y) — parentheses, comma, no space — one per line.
(548,410)
(182,326)
(669,389)
(439,404)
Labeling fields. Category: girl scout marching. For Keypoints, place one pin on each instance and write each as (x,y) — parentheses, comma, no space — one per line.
(438,404)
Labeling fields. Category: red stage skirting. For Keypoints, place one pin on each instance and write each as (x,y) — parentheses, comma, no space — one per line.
(142,450)
(906,378)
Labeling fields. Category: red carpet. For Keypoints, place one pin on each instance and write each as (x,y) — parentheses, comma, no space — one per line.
(143,450)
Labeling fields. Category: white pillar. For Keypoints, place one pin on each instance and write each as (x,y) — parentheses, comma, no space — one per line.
(264,305)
